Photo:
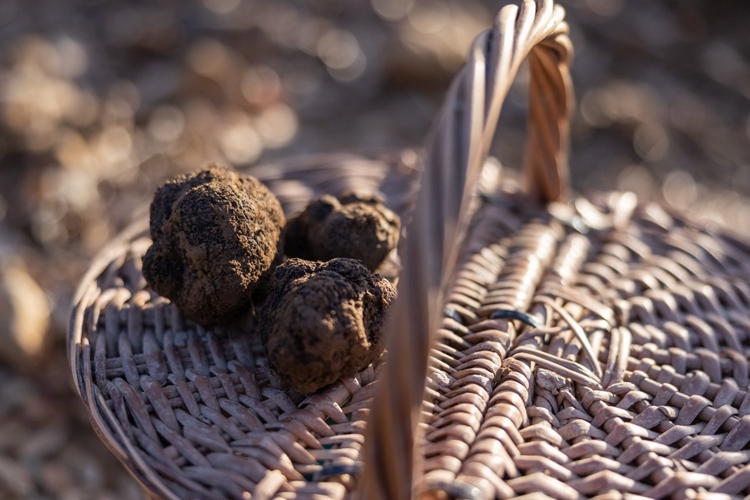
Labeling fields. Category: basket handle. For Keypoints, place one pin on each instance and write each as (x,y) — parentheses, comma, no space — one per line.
(457,149)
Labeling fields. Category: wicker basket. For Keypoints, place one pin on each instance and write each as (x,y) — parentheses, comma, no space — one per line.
(563,348)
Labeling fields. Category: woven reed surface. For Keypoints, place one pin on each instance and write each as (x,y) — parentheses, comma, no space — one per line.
(190,411)
(599,350)
(517,406)
(587,348)
(455,159)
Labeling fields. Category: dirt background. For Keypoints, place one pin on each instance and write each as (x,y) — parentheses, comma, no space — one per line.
(102,100)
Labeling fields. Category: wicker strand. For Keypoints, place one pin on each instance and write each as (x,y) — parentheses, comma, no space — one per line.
(456,152)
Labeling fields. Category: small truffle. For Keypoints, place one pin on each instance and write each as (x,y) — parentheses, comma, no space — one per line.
(215,243)
(355,226)
(323,321)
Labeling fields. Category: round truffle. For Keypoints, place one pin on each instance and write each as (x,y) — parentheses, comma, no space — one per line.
(323,321)
(215,243)
(355,226)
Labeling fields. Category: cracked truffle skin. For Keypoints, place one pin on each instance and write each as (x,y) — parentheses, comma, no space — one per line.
(215,242)
(355,226)
(323,321)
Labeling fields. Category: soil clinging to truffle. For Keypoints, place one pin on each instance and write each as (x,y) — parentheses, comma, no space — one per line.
(215,242)
(323,321)
(355,226)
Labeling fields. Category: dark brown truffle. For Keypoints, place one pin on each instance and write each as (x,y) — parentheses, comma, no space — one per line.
(356,226)
(215,242)
(323,321)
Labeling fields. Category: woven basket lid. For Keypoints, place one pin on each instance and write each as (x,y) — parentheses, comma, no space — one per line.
(540,345)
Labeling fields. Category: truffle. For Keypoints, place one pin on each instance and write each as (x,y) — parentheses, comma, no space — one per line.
(323,321)
(215,243)
(355,226)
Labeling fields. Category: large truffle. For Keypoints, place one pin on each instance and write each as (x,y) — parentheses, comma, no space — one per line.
(323,321)
(215,242)
(356,226)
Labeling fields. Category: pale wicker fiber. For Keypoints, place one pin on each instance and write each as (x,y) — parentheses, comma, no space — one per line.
(540,346)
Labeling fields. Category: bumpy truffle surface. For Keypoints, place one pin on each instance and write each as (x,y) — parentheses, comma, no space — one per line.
(215,242)
(355,226)
(323,321)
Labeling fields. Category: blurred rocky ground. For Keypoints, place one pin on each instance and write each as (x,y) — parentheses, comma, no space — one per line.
(101,100)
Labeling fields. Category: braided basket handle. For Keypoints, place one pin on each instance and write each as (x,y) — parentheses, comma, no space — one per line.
(457,149)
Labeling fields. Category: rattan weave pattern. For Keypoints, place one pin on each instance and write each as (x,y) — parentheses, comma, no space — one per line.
(586,348)
(190,411)
(635,378)
(456,154)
